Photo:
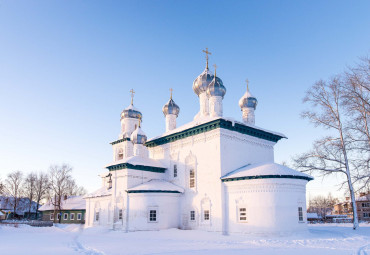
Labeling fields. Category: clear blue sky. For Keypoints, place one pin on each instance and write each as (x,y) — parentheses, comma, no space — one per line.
(66,68)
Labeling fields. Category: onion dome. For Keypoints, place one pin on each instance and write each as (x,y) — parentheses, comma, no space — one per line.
(247,100)
(201,83)
(131,112)
(216,87)
(138,136)
(171,107)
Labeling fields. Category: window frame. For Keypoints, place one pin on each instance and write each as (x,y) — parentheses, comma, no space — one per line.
(58,216)
(72,216)
(207,213)
(242,213)
(96,216)
(52,216)
(120,214)
(65,216)
(79,216)
(192,178)
(175,173)
(192,215)
(300,214)
(151,218)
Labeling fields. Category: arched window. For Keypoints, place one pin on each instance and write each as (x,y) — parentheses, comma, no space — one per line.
(120,154)
(175,171)
(192,178)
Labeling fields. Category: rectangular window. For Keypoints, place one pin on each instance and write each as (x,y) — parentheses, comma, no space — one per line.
(153,215)
(192,215)
(300,214)
(120,214)
(206,214)
(192,178)
(65,216)
(365,204)
(79,216)
(72,217)
(174,171)
(58,216)
(97,216)
(366,215)
(243,214)
(51,216)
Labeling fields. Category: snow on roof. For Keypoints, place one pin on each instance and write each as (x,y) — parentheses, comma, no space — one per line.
(263,169)
(71,203)
(207,119)
(102,192)
(138,161)
(1,213)
(363,198)
(157,185)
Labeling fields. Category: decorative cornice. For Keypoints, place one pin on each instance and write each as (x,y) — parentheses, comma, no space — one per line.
(206,127)
(120,140)
(153,191)
(267,177)
(136,167)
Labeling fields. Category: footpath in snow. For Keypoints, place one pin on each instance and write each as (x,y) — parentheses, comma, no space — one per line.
(73,239)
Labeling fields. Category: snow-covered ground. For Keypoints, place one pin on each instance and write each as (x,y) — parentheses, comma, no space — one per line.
(72,239)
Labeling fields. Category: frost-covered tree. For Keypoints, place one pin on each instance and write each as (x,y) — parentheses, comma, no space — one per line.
(41,188)
(29,189)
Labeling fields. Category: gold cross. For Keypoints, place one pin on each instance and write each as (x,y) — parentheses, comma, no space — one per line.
(215,66)
(171,92)
(132,91)
(247,84)
(207,52)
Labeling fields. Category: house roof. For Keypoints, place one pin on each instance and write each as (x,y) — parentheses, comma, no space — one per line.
(71,203)
(6,204)
(264,170)
(156,186)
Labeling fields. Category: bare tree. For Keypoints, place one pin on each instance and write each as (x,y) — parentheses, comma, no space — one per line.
(74,190)
(29,190)
(322,205)
(329,154)
(41,188)
(59,178)
(357,105)
(13,188)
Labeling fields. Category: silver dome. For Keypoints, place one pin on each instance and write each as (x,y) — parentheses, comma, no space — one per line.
(171,108)
(201,83)
(131,112)
(138,136)
(249,102)
(216,88)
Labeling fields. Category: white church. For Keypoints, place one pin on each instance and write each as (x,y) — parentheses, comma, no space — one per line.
(213,173)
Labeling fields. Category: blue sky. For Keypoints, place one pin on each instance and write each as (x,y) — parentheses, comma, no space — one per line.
(66,68)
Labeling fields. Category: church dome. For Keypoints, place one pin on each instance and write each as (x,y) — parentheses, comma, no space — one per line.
(201,83)
(131,112)
(216,88)
(248,101)
(171,108)
(138,136)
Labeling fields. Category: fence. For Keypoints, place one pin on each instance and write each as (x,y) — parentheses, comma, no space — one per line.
(32,223)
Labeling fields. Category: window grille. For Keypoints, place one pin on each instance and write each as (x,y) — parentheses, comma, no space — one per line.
(174,171)
(242,214)
(206,214)
(153,215)
(120,214)
(97,216)
(79,216)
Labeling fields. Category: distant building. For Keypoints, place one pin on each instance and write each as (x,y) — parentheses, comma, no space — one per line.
(313,217)
(73,210)
(23,210)
(363,207)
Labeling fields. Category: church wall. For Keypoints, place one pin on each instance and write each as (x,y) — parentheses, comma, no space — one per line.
(238,150)
(201,153)
(166,205)
(103,206)
(271,205)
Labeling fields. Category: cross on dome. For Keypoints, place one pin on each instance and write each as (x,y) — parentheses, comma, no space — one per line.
(132,91)
(207,52)
(215,66)
(171,92)
(247,81)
